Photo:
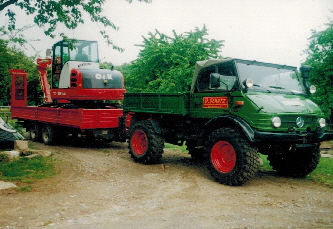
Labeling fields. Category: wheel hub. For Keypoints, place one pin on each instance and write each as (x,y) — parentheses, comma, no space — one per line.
(139,142)
(223,156)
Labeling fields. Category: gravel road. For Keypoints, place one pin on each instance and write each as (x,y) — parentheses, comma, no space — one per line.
(104,188)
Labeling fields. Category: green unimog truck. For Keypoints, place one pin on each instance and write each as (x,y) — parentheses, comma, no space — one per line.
(234,110)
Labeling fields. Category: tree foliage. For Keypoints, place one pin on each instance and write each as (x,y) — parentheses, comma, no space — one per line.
(12,58)
(166,64)
(49,13)
(320,57)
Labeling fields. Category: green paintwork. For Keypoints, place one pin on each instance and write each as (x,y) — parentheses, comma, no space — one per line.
(164,103)
(258,108)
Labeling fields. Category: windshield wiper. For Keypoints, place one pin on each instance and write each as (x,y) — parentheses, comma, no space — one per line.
(290,91)
(275,87)
(257,85)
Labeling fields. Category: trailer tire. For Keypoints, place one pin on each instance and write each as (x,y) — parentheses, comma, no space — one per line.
(35,132)
(295,162)
(49,134)
(145,146)
(231,158)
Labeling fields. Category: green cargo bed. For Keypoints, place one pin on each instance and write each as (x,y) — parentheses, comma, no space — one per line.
(166,103)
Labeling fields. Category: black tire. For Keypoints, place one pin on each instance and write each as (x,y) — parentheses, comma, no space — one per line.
(35,132)
(231,158)
(197,153)
(49,134)
(293,161)
(145,146)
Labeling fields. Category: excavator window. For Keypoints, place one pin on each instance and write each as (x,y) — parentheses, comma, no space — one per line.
(57,66)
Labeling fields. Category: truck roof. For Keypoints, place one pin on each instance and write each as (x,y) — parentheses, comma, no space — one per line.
(206,63)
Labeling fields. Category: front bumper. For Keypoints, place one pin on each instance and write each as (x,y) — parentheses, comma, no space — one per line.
(294,137)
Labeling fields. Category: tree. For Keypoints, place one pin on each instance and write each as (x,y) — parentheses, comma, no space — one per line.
(166,64)
(12,58)
(49,13)
(320,57)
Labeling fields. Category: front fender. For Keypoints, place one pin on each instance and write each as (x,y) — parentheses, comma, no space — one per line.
(230,121)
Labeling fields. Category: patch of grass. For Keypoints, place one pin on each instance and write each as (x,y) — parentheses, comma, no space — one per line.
(27,170)
(27,188)
(182,148)
(265,167)
(324,171)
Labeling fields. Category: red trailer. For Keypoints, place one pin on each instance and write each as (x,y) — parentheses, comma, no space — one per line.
(82,99)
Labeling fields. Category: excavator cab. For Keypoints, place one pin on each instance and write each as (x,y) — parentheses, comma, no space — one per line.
(72,54)
(76,74)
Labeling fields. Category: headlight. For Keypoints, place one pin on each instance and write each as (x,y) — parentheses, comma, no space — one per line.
(322,122)
(248,82)
(276,121)
(312,89)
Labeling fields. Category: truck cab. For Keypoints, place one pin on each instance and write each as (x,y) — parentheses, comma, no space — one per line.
(265,99)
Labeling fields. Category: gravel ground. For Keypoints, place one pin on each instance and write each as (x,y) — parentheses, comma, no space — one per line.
(104,188)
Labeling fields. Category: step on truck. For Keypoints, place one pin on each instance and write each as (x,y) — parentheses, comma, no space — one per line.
(234,110)
(81,100)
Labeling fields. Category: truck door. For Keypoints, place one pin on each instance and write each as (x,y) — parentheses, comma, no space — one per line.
(212,95)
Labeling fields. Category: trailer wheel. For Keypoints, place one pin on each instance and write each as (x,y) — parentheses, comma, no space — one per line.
(295,161)
(49,134)
(35,132)
(145,146)
(231,158)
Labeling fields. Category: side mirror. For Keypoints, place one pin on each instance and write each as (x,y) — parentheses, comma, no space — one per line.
(214,80)
(305,70)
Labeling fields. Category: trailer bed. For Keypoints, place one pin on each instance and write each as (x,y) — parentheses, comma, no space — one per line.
(76,118)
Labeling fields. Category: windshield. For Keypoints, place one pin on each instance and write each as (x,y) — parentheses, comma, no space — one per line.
(269,77)
(84,51)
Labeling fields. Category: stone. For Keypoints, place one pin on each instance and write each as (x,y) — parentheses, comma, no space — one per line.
(20,145)
(6,185)
(11,155)
(32,156)
(43,153)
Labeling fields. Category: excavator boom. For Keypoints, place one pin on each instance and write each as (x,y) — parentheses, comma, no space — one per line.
(42,66)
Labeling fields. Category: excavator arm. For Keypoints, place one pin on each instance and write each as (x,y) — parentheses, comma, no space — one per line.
(42,66)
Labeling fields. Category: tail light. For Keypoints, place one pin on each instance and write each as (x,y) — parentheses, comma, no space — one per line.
(76,78)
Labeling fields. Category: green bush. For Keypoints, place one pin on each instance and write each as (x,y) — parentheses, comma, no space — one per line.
(26,169)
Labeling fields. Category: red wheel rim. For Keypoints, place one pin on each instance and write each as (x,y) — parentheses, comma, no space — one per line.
(139,142)
(223,157)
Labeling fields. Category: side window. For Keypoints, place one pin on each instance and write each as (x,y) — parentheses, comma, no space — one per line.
(65,55)
(204,79)
(227,77)
(222,82)
(56,66)
(220,77)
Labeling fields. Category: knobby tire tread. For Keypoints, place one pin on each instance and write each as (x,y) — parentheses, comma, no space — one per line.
(153,154)
(247,162)
(296,164)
